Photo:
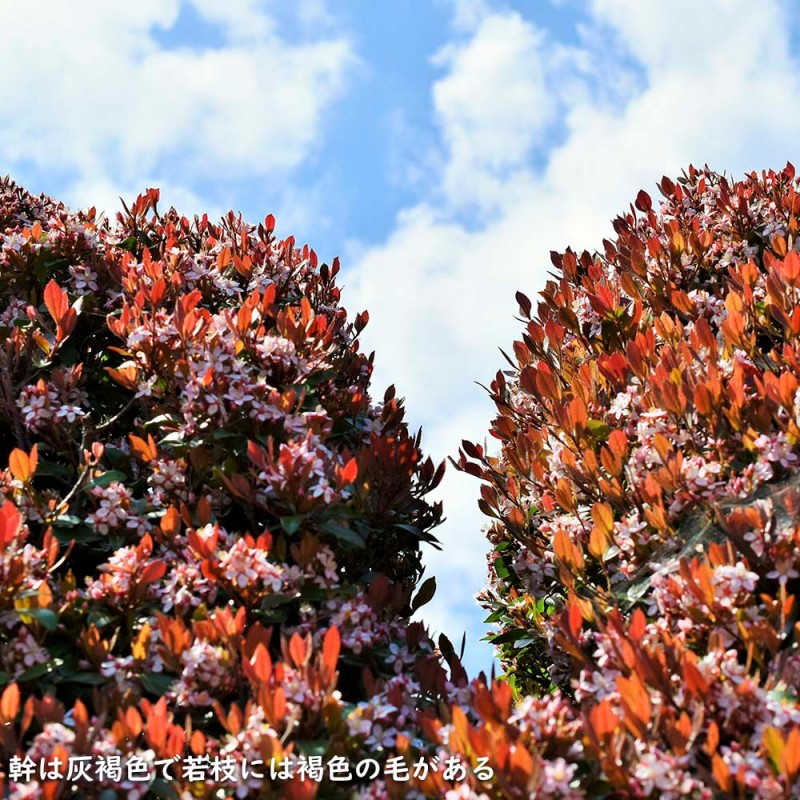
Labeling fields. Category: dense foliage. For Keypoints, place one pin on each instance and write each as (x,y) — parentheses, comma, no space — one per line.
(202,507)
(646,521)
(209,534)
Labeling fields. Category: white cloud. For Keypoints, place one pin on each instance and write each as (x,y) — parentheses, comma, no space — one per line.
(645,90)
(97,96)
(242,20)
(492,106)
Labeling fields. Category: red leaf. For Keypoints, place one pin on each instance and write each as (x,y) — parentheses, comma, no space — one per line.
(643,201)
(572,619)
(10,521)
(152,572)
(256,455)
(56,300)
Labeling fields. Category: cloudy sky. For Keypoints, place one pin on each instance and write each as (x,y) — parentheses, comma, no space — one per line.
(441,148)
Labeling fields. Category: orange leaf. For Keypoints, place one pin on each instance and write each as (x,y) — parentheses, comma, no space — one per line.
(791,755)
(566,551)
(9,703)
(350,471)
(712,738)
(133,721)
(224,258)
(279,704)
(565,495)
(261,663)
(144,450)
(598,542)
(636,700)
(603,719)
(20,464)
(331,645)
(461,725)
(156,729)
(572,618)
(127,375)
(603,517)
(520,762)
(171,522)
(140,645)
(297,650)
(693,680)
(638,625)
(197,743)
(722,774)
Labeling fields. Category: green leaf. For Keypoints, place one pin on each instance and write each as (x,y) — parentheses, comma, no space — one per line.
(46,617)
(314,747)
(161,419)
(292,524)
(313,594)
(89,678)
(343,533)
(500,568)
(155,682)
(221,434)
(598,429)
(107,478)
(274,600)
(80,534)
(161,789)
(99,618)
(174,439)
(50,469)
(276,616)
(509,636)
(37,671)
(67,521)
(118,458)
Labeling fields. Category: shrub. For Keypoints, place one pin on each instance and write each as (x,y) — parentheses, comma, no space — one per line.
(206,518)
(645,529)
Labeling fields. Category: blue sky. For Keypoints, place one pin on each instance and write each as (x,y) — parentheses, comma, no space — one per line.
(441,147)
